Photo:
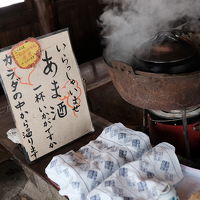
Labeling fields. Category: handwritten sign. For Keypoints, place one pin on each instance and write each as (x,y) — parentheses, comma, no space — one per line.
(46,93)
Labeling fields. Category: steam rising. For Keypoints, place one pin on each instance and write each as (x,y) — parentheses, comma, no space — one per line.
(126,24)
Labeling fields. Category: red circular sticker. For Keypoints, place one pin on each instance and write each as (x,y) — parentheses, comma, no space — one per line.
(27,53)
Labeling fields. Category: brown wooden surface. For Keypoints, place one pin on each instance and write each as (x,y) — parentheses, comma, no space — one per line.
(95,73)
(34,18)
(37,17)
(46,15)
(106,102)
(17,22)
(4,154)
(81,17)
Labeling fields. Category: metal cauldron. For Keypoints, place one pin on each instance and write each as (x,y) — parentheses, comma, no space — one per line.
(158,91)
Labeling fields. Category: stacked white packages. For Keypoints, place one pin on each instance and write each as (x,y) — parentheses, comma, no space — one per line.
(78,173)
(143,179)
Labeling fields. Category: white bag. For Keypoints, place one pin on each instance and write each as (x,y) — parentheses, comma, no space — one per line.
(77,173)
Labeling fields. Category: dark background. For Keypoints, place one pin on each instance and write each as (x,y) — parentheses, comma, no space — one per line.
(34,18)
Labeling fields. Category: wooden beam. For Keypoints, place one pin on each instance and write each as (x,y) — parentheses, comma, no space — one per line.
(46,15)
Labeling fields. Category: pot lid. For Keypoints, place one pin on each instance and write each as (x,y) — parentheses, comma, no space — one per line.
(166,47)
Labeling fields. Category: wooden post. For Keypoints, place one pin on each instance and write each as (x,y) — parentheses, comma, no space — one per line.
(46,15)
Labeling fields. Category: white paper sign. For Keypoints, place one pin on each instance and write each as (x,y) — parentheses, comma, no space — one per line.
(46,93)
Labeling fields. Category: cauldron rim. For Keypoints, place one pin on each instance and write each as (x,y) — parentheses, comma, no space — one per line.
(151,74)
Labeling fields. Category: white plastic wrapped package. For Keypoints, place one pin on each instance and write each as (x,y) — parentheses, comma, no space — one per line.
(143,179)
(77,173)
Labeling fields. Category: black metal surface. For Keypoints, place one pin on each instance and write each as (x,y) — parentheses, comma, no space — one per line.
(167,52)
(166,47)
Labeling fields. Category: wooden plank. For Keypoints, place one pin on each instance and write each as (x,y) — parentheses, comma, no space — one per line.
(18,18)
(6,11)
(95,73)
(100,121)
(99,83)
(81,17)
(46,15)
(17,22)
(106,102)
